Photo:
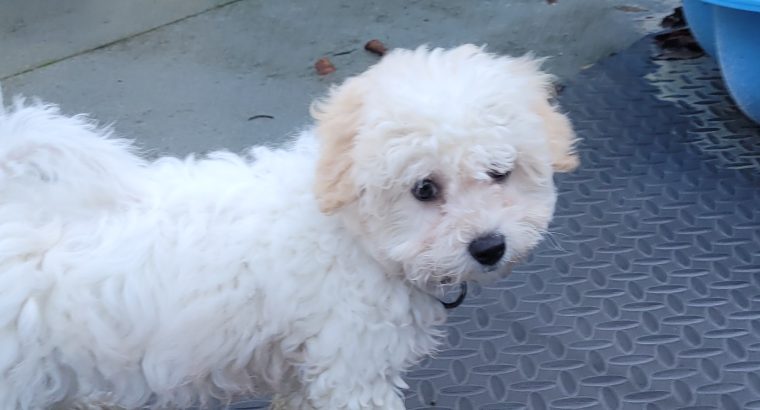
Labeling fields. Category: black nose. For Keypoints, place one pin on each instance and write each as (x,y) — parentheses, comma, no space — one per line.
(488,249)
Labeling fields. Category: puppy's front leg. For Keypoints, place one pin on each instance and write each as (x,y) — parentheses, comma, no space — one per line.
(293,401)
(326,392)
(356,366)
(377,394)
(329,400)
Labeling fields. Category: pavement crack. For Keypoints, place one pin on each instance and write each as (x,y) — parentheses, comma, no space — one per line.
(117,41)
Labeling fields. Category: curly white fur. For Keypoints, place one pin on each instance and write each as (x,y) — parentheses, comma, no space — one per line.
(306,271)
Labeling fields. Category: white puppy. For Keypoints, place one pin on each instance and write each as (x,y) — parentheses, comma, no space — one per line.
(311,271)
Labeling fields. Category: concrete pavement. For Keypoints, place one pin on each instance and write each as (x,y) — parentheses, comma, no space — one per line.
(187,75)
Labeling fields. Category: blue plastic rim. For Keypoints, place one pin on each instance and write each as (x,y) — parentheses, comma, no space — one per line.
(729,31)
(746,5)
(738,42)
(700,17)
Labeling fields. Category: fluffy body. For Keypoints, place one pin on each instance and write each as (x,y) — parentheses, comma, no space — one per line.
(309,271)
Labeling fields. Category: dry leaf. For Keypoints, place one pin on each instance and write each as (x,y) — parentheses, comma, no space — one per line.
(324,66)
(376,46)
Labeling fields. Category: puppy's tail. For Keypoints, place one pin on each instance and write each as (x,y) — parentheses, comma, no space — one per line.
(51,160)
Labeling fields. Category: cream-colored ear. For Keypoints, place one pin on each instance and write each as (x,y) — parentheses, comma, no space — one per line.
(561,136)
(557,126)
(337,120)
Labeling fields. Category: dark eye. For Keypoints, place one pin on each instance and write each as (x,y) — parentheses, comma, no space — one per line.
(425,190)
(498,176)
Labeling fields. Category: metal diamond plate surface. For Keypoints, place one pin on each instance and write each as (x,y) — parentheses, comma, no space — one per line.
(647,296)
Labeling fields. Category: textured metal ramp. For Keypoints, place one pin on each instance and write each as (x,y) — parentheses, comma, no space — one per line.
(648,296)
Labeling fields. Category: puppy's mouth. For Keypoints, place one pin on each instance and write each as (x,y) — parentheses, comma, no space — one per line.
(498,271)
(501,269)
(491,269)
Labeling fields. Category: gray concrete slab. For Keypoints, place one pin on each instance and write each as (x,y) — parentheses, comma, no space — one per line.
(35,33)
(195,84)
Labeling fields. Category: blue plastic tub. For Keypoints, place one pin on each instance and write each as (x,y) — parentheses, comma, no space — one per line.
(729,31)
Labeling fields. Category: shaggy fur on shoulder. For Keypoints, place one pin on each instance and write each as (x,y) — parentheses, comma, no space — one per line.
(309,271)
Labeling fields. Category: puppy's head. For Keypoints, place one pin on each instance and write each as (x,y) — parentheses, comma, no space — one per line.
(441,161)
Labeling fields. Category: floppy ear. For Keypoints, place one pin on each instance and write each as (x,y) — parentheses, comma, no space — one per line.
(337,119)
(559,130)
(561,136)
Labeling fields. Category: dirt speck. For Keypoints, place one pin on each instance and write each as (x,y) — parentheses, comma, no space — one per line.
(674,20)
(678,45)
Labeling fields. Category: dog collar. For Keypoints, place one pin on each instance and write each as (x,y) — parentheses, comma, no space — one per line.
(458,301)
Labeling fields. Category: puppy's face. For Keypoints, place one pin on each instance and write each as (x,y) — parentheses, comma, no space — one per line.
(442,161)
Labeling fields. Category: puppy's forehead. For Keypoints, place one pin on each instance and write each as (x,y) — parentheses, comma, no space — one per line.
(499,157)
(452,158)
(436,83)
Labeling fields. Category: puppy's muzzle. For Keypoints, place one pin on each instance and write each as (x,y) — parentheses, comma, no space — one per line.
(489,249)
